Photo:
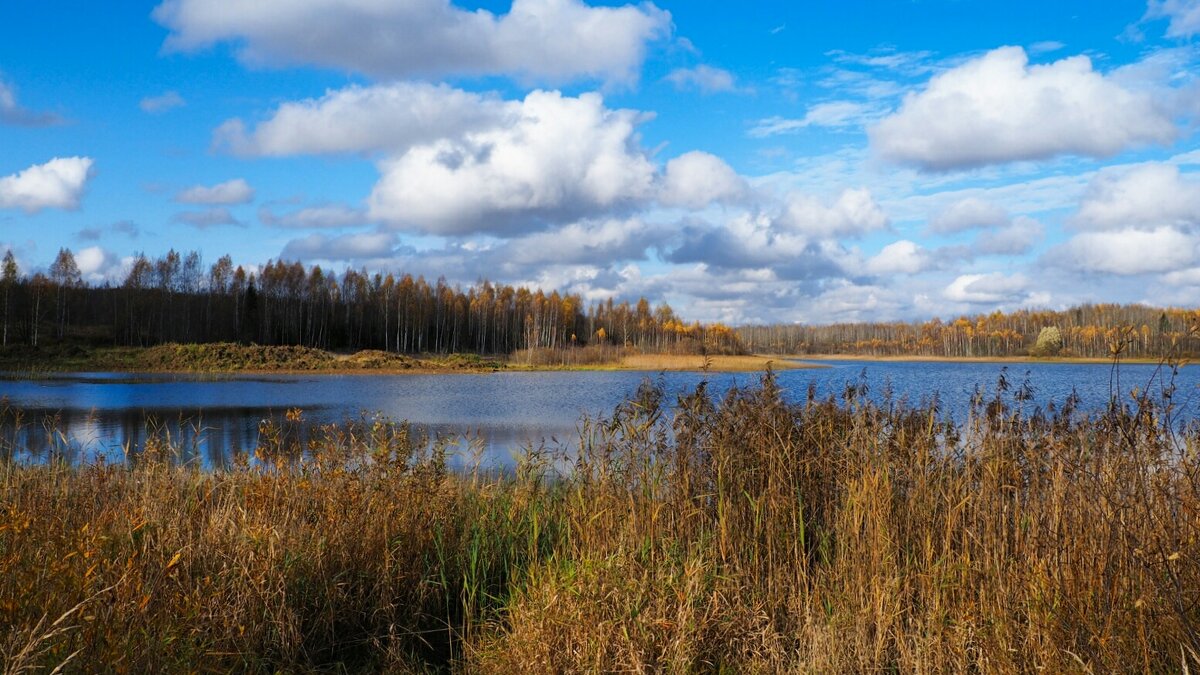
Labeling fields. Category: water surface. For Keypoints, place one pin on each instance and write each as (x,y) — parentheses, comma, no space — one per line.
(83,416)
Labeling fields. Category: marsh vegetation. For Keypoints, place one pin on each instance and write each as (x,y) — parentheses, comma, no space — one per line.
(747,533)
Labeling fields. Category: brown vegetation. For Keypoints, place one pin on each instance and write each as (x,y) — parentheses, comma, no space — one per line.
(224,357)
(1088,331)
(747,535)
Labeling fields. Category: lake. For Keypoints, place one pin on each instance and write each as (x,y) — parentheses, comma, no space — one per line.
(84,416)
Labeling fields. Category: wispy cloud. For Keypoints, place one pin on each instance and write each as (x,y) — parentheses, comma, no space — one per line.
(156,105)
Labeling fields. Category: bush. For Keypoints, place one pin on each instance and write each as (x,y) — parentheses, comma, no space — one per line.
(1049,342)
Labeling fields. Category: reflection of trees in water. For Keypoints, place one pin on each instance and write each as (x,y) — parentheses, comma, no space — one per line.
(210,438)
(213,438)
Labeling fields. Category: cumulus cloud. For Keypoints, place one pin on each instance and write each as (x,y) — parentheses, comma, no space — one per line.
(598,243)
(1184,16)
(968,214)
(155,105)
(207,218)
(1127,251)
(97,264)
(315,217)
(758,242)
(706,79)
(12,112)
(1147,195)
(554,40)
(58,183)
(899,257)
(1016,238)
(994,288)
(696,179)
(559,159)
(854,213)
(236,191)
(359,246)
(998,108)
(358,119)
(1188,277)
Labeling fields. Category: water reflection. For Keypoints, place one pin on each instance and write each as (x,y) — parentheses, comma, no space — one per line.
(213,421)
(214,438)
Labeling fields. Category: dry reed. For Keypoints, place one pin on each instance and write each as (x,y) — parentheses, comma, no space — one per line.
(746,534)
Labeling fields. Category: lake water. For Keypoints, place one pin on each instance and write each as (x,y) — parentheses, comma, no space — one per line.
(88,415)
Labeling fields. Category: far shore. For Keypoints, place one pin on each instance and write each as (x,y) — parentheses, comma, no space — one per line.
(747,363)
(967,359)
(225,358)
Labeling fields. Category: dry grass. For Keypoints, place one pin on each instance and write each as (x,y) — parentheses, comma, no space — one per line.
(714,363)
(741,535)
(228,357)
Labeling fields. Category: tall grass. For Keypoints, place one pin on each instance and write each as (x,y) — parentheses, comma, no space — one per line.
(746,534)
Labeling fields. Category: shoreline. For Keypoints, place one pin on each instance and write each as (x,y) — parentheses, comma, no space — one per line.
(194,360)
(976,359)
(224,359)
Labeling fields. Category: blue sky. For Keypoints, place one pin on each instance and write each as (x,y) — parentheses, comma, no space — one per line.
(745,162)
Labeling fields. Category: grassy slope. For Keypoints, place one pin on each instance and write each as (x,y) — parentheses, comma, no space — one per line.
(228,358)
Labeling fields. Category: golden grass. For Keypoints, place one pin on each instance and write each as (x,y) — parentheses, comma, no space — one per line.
(908,358)
(741,535)
(697,362)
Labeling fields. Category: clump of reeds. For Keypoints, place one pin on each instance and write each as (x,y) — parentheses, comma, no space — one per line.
(741,534)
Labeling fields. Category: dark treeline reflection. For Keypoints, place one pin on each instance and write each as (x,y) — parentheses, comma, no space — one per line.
(215,438)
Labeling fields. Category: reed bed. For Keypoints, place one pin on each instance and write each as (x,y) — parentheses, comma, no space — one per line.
(745,534)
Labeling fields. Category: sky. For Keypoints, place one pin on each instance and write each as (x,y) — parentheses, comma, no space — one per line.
(750,162)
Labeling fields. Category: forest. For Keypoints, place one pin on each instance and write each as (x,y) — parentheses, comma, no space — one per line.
(1088,331)
(176,298)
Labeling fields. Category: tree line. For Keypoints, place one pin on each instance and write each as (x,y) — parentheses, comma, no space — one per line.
(176,298)
(1090,330)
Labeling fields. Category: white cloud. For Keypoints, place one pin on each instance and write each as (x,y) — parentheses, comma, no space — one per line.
(1127,251)
(96,264)
(1184,16)
(559,159)
(1016,238)
(696,179)
(968,214)
(361,246)
(597,243)
(236,191)
(554,40)
(357,119)
(834,114)
(855,212)
(757,242)
(998,108)
(1145,195)
(1188,277)
(58,183)
(706,79)
(202,220)
(12,112)
(899,257)
(162,103)
(887,58)
(994,288)
(1045,47)
(315,217)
